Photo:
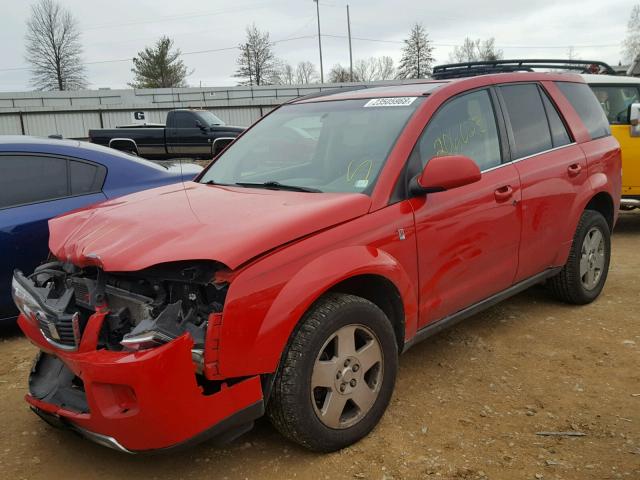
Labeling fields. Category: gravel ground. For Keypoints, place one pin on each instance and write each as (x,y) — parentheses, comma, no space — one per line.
(468,404)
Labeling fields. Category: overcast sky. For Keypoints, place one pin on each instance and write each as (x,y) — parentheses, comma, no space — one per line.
(118,29)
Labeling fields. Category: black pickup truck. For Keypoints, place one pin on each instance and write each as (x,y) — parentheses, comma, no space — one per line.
(187,134)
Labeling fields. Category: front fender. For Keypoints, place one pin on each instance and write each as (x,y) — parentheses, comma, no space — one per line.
(256,329)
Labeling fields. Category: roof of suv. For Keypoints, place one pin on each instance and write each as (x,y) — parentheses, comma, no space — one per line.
(427,87)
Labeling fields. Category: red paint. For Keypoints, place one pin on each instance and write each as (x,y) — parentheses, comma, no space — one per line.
(145,400)
(441,252)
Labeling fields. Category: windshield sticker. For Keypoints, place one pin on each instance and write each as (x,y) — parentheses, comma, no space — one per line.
(361,183)
(390,102)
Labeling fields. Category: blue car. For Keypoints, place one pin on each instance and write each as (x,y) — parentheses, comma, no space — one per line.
(43,178)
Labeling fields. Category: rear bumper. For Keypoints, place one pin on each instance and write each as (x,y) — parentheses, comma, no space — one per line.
(140,401)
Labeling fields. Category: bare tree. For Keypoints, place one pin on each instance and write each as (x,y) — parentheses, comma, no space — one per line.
(476,51)
(631,43)
(283,73)
(256,62)
(159,67)
(306,73)
(339,74)
(365,70)
(53,48)
(386,69)
(417,54)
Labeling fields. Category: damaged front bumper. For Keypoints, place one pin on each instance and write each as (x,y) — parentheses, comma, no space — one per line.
(133,401)
(139,401)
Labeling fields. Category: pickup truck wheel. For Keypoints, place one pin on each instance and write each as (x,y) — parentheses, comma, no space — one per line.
(585,273)
(337,375)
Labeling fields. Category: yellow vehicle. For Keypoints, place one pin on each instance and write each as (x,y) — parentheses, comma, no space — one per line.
(620,100)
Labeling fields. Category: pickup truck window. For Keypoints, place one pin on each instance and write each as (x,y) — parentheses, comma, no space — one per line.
(331,146)
(208,119)
(467,126)
(586,104)
(184,120)
(190,119)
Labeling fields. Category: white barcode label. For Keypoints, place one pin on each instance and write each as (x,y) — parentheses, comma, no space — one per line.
(390,102)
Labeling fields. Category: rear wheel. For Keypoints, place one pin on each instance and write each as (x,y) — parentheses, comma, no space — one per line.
(337,375)
(585,273)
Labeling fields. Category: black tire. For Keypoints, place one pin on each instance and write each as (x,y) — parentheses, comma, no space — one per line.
(568,285)
(291,407)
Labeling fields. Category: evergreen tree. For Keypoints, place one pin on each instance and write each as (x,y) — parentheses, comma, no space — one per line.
(417,54)
(159,67)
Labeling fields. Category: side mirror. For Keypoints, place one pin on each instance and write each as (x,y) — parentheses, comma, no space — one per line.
(200,126)
(634,114)
(446,173)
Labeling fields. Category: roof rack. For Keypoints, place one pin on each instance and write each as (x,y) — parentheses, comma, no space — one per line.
(471,69)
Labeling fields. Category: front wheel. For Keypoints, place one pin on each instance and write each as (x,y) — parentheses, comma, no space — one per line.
(337,376)
(583,277)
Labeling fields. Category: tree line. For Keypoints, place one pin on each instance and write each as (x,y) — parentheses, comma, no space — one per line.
(54,52)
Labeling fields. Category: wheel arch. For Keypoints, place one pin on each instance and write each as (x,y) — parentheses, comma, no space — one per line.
(359,270)
(602,203)
(123,144)
(380,291)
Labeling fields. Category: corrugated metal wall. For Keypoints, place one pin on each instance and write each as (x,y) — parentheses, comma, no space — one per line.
(72,114)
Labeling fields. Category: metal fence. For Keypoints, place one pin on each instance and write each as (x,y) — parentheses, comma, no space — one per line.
(72,114)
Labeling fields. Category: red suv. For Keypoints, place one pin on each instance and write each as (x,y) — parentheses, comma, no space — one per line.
(334,234)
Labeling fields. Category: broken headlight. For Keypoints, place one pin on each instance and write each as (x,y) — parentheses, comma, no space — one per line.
(26,302)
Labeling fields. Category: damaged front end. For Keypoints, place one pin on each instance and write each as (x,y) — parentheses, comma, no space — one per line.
(142,309)
(130,359)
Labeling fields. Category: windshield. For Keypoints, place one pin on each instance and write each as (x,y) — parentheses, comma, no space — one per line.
(209,118)
(334,146)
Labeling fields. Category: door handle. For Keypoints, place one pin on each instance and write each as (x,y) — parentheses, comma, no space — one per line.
(574,170)
(503,193)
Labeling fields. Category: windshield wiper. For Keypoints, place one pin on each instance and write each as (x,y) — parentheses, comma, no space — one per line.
(278,186)
(213,182)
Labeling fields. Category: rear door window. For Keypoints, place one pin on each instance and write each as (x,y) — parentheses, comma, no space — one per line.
(28,179)
(615,101)
(527,118)
(466,126)
(584,102)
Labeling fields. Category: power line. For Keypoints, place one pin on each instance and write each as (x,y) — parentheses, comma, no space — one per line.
(457,44)
(363,39)
(196,52)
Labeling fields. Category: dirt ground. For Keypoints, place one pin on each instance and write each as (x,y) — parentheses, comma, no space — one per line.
(468,404)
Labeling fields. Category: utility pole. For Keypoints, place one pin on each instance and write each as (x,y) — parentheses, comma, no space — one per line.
(350,50)
(319,41)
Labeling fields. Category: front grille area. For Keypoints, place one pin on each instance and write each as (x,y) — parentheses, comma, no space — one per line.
(61,331)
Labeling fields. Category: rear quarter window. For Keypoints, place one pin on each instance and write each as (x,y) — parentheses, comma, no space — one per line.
(588,108)
(85,177)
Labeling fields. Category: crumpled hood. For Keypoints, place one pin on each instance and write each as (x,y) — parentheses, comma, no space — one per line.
(195,222)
